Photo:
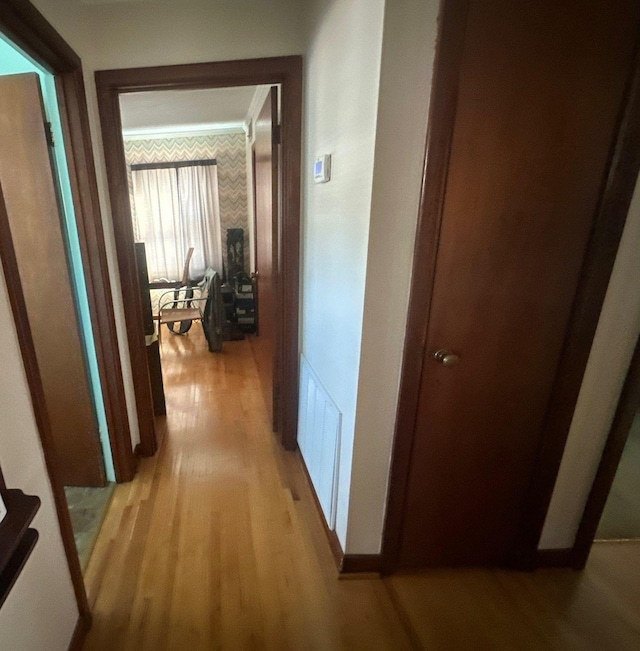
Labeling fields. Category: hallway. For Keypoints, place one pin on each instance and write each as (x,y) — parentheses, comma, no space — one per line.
(217,544)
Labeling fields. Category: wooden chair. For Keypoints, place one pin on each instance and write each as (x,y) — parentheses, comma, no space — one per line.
(180,306)
(184,308)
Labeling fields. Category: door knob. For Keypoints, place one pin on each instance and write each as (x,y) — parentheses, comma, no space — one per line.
(446,357)
(255,274)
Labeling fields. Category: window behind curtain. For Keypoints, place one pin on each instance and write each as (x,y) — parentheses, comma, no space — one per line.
(177,207)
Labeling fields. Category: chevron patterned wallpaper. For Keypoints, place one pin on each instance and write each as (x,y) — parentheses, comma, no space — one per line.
(228,149)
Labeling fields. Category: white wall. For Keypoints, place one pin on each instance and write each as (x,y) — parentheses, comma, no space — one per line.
(113,34)
(613,345)
(408,51)
(126,35)
(366,104)
(341,94)
(41,610)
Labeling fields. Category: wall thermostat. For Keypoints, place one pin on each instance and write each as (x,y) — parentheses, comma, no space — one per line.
(322,169)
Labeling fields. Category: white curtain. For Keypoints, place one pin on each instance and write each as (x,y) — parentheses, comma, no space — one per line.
(177,208)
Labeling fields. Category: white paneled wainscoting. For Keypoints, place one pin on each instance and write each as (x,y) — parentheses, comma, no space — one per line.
(319,425)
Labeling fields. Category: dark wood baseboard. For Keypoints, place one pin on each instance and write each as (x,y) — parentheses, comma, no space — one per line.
(332,537)
(80,633)
(141,451)
(361,564)
(554,558)
(346,563)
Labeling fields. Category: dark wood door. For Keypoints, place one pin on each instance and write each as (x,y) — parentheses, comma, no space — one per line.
(36,229)
(539,91)
(266,234)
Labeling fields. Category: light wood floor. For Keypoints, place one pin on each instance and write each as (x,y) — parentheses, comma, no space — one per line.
(217,545)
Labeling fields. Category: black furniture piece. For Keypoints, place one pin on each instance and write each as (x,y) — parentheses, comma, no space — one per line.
(17,540)
(213,316)
(235,251)
(233,332)
(245,303)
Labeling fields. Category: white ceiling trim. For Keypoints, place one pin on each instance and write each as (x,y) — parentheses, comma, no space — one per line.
(184,131)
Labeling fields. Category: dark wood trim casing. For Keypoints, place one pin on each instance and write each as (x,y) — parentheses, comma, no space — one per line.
(123,232)
(442,112)
(79,634)
(600,256)
(28,28)
(90,228)
(611,455)
(25,26)
(289,249)
(174,165)
(332,537)
(286,71)
(27,349)
(361,564)
(345,563)
(554,558)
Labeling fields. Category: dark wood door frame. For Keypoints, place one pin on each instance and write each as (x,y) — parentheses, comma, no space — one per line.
(286,71)
(267,348)
(609,222)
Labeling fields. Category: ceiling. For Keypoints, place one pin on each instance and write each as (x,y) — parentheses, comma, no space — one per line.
(179,110)
(113,2)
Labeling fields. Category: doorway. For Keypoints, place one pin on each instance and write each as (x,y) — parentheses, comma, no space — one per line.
(621,516)
(22,24)
(612,512)
(198,230)
(285,72)
(603,449)
(44,233)
(505,230)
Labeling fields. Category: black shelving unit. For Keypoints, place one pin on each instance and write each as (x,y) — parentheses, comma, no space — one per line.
(17,540)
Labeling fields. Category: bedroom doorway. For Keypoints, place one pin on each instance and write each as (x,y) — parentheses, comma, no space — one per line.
(190,158)
(48,256)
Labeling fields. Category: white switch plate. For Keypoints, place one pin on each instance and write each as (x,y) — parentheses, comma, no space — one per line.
(322,169)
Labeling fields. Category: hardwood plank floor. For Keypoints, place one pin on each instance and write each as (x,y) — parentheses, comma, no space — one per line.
(598,608)
(217,544)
